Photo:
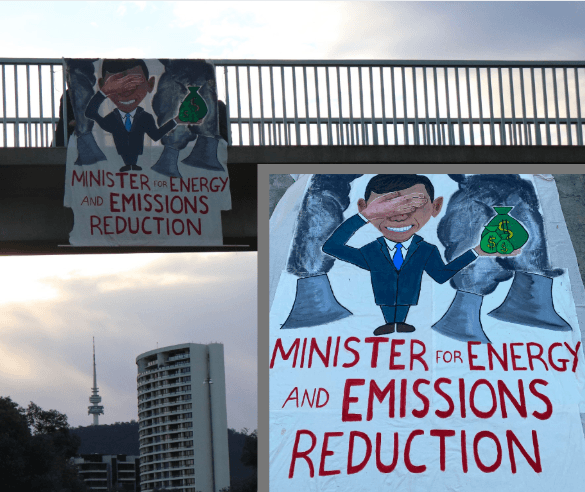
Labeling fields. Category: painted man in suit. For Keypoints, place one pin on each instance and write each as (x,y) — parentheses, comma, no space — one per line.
(398,205)
(126,83)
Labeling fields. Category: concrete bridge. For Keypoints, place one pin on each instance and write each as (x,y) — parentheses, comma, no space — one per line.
(305,112)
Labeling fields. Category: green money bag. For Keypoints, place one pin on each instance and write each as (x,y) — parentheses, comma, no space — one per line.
(193,108)
(508,228)
(490,240)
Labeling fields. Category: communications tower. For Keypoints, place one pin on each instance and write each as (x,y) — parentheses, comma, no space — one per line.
(95,409)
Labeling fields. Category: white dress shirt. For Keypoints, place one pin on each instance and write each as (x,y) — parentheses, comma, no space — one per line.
(123,115)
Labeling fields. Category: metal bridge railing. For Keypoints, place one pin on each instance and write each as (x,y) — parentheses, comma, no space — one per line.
(353,102)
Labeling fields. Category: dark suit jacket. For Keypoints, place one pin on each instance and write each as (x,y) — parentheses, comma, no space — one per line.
(392,287)
(127,142)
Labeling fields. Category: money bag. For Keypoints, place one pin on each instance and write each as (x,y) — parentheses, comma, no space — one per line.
(193,108)
(503,233)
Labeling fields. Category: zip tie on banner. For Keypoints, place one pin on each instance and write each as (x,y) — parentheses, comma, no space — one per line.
(546,177)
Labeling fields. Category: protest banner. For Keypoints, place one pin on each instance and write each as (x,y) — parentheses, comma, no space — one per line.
(146,165)
(404,356)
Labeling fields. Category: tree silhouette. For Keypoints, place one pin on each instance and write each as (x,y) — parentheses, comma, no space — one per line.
(248,458)
(35,450)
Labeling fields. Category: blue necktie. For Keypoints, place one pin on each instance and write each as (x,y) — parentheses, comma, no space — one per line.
(128,123)
(398,260)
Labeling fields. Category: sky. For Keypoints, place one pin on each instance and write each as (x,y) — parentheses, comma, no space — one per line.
(296,30)
(52,306)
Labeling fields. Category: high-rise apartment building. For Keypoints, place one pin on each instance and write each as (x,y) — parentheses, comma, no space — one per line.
(183,419)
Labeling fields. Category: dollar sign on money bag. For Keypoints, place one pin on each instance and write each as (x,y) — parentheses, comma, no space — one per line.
(193,107)
(490,240)
(507,228)
(505,247)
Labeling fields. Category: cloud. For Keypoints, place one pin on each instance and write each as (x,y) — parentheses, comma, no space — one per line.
(269,29)
(129,303)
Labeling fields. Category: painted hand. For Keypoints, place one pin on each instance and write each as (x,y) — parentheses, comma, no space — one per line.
(120,83)
(392,204)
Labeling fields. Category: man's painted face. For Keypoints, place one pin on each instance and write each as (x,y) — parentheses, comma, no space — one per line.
(400,228)
(128,99)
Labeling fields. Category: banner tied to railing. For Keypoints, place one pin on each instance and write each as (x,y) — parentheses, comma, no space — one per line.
(424,335)
(146,165)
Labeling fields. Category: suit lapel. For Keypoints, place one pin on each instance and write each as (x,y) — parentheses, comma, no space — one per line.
(385,251)
(413,247)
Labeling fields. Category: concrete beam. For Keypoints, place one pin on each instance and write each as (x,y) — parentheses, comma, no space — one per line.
(406,154)
(33,219)
(356,154)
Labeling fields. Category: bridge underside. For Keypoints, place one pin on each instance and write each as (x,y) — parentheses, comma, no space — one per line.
(33,219)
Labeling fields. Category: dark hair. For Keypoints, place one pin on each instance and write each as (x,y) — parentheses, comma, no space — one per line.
(119,65)
(385,183)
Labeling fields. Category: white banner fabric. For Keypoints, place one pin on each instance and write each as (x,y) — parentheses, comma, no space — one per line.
(485,394)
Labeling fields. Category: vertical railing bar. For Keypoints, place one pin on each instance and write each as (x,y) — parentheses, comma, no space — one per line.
(491,101)
(449,125)
(438,126)
(384,123)
(341,139)
(41,106)
(427,122)
(556,97)
(569,129)
(65,109)
(306,106)
(285,127)
(351,125)
(261,136)
(28,108)
(523,96)
(394,122)
(318,107)
(54,144)
(502,111)
(480,106)
(374,125)
(416,129)
(17,123)
(238,99)
(294,81)
(227,105)
(406,142)
(250,120)
(274,129)
(329,122)
(362,120)
(459,121)
(513,106)
(468,84)
(340,106)
(546,122)
(536,124)
(4,129)
(580,128)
